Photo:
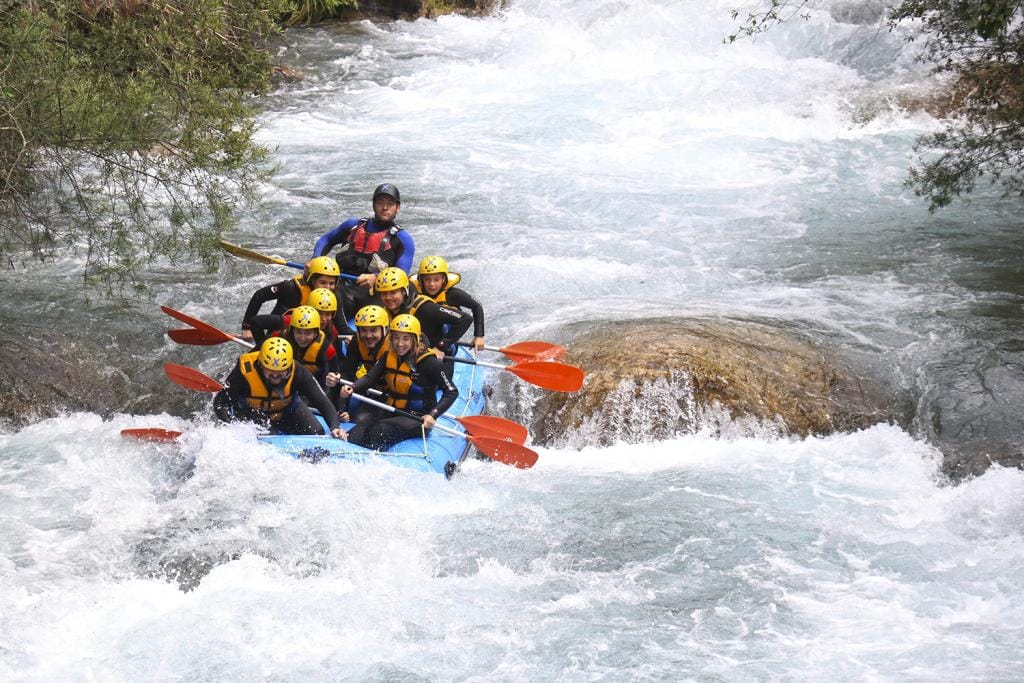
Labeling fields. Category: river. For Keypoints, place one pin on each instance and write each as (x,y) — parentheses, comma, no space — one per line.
(577,162)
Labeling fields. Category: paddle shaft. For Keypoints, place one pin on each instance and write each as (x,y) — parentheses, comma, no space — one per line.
(243,252)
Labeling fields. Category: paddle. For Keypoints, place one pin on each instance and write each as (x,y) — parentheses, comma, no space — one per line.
(498,449)
(190,378)
(502,451)
(528,350)
(242,252)
(196,337)
(544,374)
(151,434)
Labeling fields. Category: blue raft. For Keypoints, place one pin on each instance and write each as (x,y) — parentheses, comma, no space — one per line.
(437,452)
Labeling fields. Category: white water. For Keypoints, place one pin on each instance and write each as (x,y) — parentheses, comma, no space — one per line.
(576,162)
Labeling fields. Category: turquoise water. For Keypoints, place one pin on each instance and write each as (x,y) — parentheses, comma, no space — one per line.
(576,162)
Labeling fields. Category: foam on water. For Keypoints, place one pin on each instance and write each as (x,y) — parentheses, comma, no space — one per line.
(737,558)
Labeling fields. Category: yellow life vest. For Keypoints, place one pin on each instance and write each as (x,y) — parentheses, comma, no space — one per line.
(398,378)
(442,296)
(304,289)
(368,359)
(312,351)
(259,393)
(417,301)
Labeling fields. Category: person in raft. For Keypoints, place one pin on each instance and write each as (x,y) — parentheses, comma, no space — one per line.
(320,273)
(442,326)
(409,363)
(362,353)
(309,343)
(435,281)
(269,388)
(368,246)
(323,300)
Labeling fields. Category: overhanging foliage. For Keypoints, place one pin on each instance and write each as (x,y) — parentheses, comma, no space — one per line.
(126,127)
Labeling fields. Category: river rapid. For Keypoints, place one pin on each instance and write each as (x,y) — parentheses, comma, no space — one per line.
(577,162)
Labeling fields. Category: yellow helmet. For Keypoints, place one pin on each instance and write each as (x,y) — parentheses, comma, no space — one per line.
(276,354)
(406,323)
(305,318)
(322,265)
(323,300)
(372,316)
(433,264)
(390,279)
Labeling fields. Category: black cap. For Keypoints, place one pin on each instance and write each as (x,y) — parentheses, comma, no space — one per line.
(389,190)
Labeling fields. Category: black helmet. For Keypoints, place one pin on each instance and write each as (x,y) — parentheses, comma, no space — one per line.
(389,190)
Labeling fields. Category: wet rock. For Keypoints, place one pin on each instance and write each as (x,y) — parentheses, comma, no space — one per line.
(649,380)
(280,75)
(411,9)
(43,378)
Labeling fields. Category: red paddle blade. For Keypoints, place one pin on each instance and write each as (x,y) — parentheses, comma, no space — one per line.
(151,434)
(195,337)
(196,323)
(549,375)
(505,452)
(190,378)
(494,427)
(534,350)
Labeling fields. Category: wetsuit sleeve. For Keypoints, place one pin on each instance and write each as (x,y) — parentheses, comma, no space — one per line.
(260,297)
(262,326)
(460,298)
(323,365)
(331,239)
(408,251)
(433,372)
(308,388)
(457,321)
(230,404)
(350,363)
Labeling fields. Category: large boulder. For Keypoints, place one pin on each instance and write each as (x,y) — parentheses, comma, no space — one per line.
(655,379)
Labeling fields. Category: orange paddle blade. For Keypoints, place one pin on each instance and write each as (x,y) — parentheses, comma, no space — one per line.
(190,378)
(494,427)
(505,452)
(195,337)
(534,350)
(195,322)
(151,434)
(549,375)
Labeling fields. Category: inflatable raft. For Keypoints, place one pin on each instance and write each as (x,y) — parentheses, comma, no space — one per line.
(437,452)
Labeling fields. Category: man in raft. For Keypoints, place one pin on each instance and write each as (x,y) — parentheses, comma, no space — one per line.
(368,246)
(442,326)
(362,352)
(268,387)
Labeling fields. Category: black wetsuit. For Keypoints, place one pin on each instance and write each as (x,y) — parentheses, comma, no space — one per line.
(232,404)
(384,429)
(442,326)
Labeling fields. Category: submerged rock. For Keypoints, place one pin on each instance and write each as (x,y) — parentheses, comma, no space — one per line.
(650,380)
(43,379)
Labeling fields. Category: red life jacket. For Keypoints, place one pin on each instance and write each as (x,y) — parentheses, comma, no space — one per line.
(368,252)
